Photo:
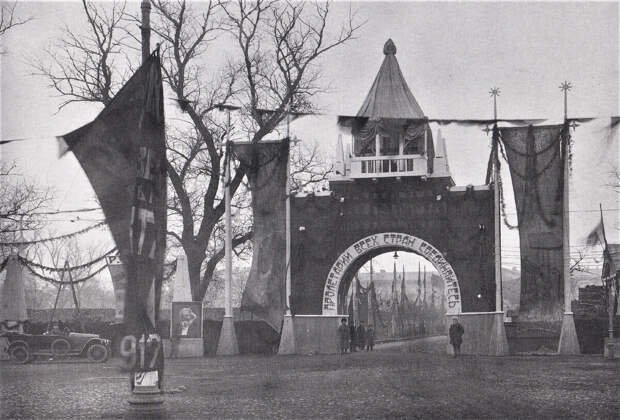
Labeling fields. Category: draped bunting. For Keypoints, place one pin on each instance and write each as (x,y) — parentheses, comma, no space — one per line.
(535,157)
(365,131)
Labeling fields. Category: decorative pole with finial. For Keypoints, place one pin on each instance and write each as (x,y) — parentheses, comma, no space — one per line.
(499,339)
(569,343)
(494,93)
(565,87)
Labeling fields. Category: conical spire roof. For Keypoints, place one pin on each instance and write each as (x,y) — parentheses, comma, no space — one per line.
(389,96)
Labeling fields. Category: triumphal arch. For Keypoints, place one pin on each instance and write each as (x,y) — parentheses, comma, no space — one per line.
(392,191)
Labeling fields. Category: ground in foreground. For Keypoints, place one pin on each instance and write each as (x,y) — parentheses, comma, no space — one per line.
(407,380)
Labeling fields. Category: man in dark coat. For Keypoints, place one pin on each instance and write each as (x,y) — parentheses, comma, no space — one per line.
(456,336)
(352,341)
(360,334)
(370,338)
(343,335)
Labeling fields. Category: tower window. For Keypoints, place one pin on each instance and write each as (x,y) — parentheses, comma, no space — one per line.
(389,146)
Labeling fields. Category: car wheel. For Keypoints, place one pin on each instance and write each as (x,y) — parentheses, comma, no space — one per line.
(20,354)
(60,347)
(98,353)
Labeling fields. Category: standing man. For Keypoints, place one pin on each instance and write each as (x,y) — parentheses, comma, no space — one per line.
(361,335)
(343,335)
(456,336)
(370,338)
(352,341)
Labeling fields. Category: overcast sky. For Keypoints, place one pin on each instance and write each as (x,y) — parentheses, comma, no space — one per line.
(451,54)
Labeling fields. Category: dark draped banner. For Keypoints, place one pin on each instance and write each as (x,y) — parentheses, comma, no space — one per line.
(123,155)
(265,167)
(536,166)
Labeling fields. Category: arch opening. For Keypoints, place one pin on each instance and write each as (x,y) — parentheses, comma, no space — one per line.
(398,293)
(354,257)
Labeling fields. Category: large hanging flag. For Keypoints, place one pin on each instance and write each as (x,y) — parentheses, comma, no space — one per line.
(123,154)
(535,157)
(265,166)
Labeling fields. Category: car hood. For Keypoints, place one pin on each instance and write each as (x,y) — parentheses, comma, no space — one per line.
(82,336)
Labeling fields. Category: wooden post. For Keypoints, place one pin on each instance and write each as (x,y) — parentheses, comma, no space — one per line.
(62,277)
(75,299)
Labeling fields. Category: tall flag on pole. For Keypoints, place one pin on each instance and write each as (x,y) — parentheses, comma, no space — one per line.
(123,155)
(597,234)
(405,311)
(396,321)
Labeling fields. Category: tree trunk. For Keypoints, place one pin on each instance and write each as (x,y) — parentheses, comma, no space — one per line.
(194,263)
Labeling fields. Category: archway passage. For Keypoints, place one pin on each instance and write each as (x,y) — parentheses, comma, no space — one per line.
(356,255)
(399,294)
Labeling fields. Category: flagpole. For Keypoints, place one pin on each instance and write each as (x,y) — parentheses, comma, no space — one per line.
(227,344)
(569,343)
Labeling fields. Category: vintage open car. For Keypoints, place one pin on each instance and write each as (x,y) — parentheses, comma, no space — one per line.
(24,348)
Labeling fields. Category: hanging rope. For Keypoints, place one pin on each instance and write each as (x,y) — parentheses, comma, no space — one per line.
(55,238)
(65,269)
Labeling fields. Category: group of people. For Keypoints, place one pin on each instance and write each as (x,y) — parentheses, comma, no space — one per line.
(357,337)
(354,337)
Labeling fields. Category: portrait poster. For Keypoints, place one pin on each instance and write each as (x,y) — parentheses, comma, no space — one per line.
(186,320)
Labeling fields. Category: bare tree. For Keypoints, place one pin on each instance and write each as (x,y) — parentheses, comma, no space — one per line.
(83,66)
(8,18)
(614,180)
(273,66)
(22,202)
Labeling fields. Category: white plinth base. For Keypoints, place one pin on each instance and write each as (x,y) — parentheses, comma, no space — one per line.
(227,344)
(569,344)
(287,337)
(498,346)
(612,348)
(187,347)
